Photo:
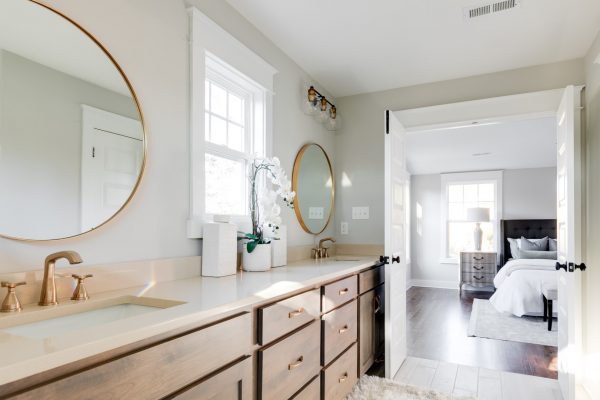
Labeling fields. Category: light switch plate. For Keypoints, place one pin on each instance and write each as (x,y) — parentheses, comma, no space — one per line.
(344,228)
(315,213)
(360,212)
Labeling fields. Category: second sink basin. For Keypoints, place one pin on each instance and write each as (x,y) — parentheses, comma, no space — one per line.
(69,317)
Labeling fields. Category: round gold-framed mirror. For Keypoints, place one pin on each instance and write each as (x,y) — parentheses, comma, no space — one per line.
(314,184)
(72,139)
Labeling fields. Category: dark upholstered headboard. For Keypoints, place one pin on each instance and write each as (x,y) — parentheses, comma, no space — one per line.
(529,228)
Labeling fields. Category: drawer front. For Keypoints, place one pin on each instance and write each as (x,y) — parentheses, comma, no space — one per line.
(478,277)
(479,268)
(158,371)
(234,383)
(339,330)
(339,378)
(312,391)
(367,280)
(480,258)
(277,319)
(288,365)
(337,293)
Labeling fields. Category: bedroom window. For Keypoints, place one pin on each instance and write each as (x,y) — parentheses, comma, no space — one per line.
(459,193)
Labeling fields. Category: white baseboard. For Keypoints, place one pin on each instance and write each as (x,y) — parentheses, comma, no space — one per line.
(433,284)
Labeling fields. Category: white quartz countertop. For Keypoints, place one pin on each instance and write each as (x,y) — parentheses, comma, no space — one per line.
(205,299)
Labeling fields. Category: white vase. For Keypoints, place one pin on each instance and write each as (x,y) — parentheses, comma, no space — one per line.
(258,260)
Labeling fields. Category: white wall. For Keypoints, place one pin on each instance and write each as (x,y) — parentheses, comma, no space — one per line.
(527,194)
(360,143)
(149,39)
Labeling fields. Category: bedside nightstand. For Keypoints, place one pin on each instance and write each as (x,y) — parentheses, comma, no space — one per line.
(477,270)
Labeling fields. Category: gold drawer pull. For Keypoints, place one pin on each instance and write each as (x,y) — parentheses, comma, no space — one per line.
(343,330)
(343,377)
(293,314)
(343,291)
(296,364)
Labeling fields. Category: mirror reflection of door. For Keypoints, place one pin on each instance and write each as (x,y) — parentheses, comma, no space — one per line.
(112,151)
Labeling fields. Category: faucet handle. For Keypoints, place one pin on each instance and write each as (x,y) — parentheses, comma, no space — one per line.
(80,293)
(11,302)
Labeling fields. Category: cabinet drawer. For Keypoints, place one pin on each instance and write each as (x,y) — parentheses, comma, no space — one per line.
(339,330)
(287,365)
(479,268)
(339,378)
(234,383)
(312,391)
(482,258)
(277,319)
(478,277)
(367,280)
(338,293)
(157,371)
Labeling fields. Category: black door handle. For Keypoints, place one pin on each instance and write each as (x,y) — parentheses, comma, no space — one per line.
(396,259)
(384,259)
(581,266)
(559,266)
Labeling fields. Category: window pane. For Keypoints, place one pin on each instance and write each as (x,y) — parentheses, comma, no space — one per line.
(455,193)
(218,100)
(207,126)
(490,205)
(486,192)
(235,137)
(471,193)
(455,212)
(218,130)
(207,95)
(225,186)
(236,109)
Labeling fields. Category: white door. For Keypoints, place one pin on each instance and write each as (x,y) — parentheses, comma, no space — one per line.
(112,154)
(569,219)
(396,184)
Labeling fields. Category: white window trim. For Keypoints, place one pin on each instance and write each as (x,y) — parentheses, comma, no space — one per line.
(466,178)
(209,41)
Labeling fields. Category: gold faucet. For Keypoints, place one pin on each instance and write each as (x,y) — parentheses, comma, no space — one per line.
(48,295)
(322,252)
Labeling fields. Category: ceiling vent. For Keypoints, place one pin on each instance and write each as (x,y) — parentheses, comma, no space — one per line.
(490,8)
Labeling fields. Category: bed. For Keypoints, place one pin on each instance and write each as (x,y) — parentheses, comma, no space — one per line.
(519,281)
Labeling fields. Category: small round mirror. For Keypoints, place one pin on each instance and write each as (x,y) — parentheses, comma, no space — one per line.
(312,180)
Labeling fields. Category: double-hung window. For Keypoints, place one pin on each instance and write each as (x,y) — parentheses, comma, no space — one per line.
(461,192)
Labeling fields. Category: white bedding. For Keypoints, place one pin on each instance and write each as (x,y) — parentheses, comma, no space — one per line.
(519,286)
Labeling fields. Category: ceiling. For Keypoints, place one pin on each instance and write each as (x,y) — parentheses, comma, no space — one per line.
(529,143)
(41,36)
(353,46)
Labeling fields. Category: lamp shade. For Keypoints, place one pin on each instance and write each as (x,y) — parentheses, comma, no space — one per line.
(478,214)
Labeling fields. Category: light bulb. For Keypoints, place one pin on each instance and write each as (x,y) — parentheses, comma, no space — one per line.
(309,108)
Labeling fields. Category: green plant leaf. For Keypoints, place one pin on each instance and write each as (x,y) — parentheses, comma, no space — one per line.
(251,245)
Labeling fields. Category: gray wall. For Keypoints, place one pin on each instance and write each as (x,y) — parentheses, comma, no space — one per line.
(149,39)
(591,278)
(527,194)
(360,143)
(40,167)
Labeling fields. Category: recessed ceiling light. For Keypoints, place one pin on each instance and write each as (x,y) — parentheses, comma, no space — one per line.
(481,154)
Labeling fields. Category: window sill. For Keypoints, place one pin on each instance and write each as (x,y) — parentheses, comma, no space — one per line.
(449,261)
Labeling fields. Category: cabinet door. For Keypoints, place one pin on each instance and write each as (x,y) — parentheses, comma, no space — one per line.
(379,328)
(366,331)
(234,383)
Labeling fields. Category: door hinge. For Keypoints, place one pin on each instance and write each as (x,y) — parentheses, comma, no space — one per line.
(387,122)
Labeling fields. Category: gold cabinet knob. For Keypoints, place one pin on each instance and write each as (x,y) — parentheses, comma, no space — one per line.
(11,302)
(80,293)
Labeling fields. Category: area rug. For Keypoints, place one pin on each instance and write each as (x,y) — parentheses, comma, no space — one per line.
(375,388)
(486,322)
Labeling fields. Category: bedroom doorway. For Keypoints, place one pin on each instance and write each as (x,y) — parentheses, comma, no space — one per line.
(432,279)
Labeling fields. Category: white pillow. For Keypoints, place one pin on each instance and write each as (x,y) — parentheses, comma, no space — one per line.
(531,240)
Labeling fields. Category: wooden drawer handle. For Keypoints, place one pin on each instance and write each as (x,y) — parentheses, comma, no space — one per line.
(343,377)
(343,330)
(296,364)
(293,314)
(343,291)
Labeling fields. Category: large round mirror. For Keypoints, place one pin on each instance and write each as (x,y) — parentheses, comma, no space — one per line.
(312,180)
(72,142)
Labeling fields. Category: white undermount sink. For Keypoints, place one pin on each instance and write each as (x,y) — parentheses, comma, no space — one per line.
(40,323)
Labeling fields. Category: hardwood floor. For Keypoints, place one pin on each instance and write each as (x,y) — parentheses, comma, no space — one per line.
(437,330)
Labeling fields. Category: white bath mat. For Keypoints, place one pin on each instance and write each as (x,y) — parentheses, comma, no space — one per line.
(486,322)
(375,388)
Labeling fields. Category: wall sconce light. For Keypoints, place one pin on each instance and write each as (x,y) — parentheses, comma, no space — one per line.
(318,106)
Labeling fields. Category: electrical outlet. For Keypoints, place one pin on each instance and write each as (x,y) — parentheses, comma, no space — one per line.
(360,212)
(315,213)
(344,228)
